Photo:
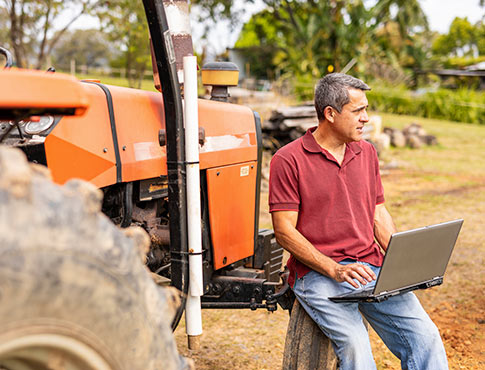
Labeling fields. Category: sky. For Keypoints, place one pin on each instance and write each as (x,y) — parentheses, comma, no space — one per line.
(441,13)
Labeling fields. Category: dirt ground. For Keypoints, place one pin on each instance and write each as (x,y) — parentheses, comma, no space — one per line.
(424,186)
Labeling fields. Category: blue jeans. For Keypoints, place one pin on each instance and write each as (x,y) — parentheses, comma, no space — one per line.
(400,321)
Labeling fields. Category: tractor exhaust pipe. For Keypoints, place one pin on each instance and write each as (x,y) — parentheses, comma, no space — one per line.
(193,315)
(172,41)
(166,70)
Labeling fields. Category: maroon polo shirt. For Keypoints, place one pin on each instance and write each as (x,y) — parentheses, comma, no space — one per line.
(335,204)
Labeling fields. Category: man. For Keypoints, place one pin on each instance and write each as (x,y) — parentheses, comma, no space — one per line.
(327,205)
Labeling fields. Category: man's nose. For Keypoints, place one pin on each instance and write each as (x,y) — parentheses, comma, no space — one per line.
(364,117)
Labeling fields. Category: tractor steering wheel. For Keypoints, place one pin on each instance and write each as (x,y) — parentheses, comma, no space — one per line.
(8,56)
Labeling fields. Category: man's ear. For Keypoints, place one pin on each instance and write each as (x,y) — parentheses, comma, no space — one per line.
(329,113)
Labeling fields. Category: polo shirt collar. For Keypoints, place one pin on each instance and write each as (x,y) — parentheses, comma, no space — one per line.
(310,144)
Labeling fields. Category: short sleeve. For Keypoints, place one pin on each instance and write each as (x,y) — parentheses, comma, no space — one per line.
(283,185)
(379,188)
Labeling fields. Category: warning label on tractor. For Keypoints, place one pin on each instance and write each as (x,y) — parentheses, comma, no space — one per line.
(245,171)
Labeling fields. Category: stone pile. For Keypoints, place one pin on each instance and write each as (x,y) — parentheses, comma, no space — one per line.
(289,123)
(413,136)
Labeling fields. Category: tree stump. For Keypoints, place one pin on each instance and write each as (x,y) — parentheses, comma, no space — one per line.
(306,347)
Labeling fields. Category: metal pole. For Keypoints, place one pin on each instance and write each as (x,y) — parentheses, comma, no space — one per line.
(193,315)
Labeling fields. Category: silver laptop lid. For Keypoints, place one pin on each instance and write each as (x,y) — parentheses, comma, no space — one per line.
(417,255)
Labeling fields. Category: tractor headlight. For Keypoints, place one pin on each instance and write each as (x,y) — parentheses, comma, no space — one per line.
(36,127)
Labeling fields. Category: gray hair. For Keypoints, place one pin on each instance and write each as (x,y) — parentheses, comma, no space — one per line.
(333,90)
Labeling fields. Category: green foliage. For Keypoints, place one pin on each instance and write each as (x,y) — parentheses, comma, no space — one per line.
(480,36)
(125,23)
(33,29)
(461,62)
(301,39)
(459,105)
(304,40)
(259,31)
(86,47)
(463,39)
(258,43)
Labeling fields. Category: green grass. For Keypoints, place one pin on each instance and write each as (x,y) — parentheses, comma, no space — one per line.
(435,183)
(147,85)
(117,81)
(460,150)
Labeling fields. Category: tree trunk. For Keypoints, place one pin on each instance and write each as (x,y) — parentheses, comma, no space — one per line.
(16,34)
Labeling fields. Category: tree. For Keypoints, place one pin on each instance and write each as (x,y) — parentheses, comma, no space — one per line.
(125,23)
(312,37)
(401,32)
(31,26)
(258,43)
(407,14)
(462,39)
(306,37)
(87,47)
(3,30)
(480,32)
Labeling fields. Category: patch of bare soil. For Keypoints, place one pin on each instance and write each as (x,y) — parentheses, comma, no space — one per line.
(458,306)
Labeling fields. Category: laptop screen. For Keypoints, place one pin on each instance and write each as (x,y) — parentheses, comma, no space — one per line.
(417,256)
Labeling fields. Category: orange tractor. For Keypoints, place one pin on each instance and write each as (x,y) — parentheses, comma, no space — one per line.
(130,144)
(73,293)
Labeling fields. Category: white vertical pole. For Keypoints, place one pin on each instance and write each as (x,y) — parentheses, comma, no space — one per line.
(193,315)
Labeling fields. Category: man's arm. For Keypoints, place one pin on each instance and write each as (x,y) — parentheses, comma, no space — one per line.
(383,226)
(284,224)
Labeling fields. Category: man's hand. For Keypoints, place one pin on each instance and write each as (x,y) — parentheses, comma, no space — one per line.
(284,223)
(357,271)
(383,226)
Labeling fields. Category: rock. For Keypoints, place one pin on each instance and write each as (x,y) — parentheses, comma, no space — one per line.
(398,139)
(414,142)
(375,127)
(429,139)
(414,129)
(382,143)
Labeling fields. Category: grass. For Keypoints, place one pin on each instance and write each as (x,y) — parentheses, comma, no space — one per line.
(438,173)
(117,81)
(460,146)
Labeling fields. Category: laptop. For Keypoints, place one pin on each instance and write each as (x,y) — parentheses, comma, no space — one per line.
(415,259)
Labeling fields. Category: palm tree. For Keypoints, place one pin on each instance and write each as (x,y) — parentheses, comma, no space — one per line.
(408,15)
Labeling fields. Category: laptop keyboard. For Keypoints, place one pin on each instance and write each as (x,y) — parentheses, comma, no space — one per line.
(361,293)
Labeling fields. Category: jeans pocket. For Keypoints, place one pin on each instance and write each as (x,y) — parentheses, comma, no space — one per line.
(299,286)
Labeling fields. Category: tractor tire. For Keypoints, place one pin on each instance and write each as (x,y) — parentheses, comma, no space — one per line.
(74,293)
(306,347)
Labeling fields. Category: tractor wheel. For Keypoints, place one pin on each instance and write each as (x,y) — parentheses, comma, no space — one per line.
(306,347)
(73,291)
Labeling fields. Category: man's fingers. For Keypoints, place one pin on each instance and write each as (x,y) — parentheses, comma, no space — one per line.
(356,274)
(352,282)
(355,271)
(370,272)
(366,272)
(363,271)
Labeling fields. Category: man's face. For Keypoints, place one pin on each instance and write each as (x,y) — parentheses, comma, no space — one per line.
(349,124)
